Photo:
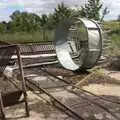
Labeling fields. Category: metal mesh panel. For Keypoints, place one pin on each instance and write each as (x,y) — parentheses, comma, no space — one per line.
(78,36)
(5,54)
(41,48)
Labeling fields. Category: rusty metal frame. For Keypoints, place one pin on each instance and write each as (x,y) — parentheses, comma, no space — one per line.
(2,95)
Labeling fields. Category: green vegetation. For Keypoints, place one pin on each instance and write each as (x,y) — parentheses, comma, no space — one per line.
(27,27)
(25,37)
(112,25)
(92,10)
(113,28)
(116,39)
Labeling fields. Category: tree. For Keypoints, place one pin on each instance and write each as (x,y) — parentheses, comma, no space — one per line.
(50,22)
(43,23)
(3,27)
(35,22)
(61,12)
(30,22)
(24,21)
(91,10)
(15,20)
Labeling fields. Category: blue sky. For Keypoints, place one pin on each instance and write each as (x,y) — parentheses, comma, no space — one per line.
(47,6)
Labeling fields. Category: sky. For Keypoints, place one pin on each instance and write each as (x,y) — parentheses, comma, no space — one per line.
(7,7)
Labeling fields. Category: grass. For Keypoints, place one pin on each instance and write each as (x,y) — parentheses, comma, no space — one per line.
(23,37)
(111,25)
(114,32)
(116,39)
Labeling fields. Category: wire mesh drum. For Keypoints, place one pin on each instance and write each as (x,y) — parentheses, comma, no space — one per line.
(78,43)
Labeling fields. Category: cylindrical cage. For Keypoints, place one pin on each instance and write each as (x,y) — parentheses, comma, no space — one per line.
(78,43)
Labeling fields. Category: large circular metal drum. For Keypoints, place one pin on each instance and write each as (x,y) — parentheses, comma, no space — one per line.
(78,43)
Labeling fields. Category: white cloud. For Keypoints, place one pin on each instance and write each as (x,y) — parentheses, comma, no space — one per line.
(47,6)
(10,2)
(114,8)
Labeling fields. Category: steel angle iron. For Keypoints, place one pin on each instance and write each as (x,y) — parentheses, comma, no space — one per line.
(78,43)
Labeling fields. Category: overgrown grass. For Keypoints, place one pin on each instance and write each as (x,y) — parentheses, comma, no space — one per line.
(116,39)
(114,31)
(24,37)
(113,28)
(111,25)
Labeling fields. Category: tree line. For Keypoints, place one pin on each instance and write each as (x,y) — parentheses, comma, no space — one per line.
(31,22)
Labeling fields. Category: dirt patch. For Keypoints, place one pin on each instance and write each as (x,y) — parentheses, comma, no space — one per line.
(98,77)
(114,63)
(6,85)
(113,74)
(39,110)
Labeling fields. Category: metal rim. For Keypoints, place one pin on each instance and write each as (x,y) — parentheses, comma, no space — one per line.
(61,44)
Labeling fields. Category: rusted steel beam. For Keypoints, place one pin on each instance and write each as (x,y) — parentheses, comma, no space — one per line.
(22,80)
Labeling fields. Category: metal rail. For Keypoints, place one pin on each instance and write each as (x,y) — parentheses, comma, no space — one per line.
(65,108)
(74,86)
(85,98)
(62,106)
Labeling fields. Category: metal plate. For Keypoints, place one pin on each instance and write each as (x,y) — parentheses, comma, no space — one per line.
(78,43)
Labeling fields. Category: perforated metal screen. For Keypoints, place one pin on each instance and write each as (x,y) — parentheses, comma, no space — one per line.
(78,43)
